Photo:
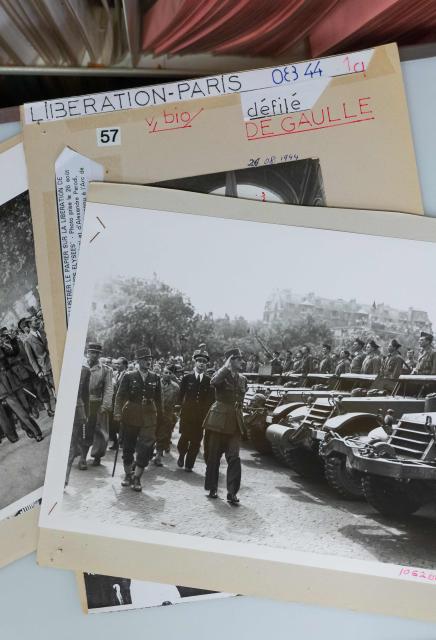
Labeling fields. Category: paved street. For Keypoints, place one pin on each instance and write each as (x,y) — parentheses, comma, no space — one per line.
(278,508)
(22,464)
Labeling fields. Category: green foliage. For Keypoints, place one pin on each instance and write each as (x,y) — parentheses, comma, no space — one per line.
(138,312)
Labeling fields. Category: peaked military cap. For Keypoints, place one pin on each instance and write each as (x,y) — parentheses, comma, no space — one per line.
(201,353)
(142,353)
(425,334)
(233,353)
(373,344)
(95,346)
(394,343)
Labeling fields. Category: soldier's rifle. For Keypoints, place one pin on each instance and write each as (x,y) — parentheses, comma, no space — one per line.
(264,347)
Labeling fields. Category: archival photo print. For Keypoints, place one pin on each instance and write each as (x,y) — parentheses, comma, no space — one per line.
(27,395)
(255,383)
(111,593)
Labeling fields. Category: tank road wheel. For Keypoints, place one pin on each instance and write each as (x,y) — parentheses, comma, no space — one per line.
(341,479)
(303,462)
(390,497)
(259,441)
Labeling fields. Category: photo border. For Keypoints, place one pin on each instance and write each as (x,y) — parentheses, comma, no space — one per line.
(219,565)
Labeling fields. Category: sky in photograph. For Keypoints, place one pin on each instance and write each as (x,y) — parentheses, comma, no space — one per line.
(231,266)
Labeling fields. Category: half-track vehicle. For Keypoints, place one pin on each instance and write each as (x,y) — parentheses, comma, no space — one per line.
(398,472)
(304,445)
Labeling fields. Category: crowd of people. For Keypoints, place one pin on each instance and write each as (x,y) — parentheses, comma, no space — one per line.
(362,357)
(26,379)
(136,405)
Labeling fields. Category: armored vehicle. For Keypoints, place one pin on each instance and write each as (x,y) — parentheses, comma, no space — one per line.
(398,474)
(336,417)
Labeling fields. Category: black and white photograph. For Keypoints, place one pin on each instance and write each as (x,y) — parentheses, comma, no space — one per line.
(27,393)
(250,383)
(297,181)
(112,593)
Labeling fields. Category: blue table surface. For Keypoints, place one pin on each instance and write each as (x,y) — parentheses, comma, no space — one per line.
(43,604)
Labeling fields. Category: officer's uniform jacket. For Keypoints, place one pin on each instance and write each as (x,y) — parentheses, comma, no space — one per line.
(343,366)
(372,364)
(326,365)
(225,415)
(101,386)
(37,352)
(139,402)
(426,364)
(357,362)
(195,400)
(392,366)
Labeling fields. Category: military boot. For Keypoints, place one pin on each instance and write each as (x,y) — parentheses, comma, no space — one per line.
(128,477)
(136,482)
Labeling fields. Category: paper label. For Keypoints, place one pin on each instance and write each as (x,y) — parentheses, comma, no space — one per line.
(108,137)
(211,86)
(73,173)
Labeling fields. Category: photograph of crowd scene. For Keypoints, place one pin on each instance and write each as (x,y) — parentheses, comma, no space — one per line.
(27,395)
(266,403)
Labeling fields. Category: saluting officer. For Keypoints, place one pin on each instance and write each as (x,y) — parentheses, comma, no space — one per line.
(358,356)
(224,425)
(196,396)
(138,406)
(372,362)
(426,364)
(326,365)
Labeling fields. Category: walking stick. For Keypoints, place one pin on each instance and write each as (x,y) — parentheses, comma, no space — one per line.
(117,450)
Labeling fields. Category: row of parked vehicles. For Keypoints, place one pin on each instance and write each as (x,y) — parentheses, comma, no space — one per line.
(372,438)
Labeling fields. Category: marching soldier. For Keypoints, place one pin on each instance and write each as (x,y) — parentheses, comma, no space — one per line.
(224,425)
(343,365)
(100,406)
(196,396)
(326,365)
(358,356)
(78,435)
(426,364)
(37,352)
(138,405)
(372,362)
(170,397)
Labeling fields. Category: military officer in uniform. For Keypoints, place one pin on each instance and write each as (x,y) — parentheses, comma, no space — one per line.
(276,364)
(306,361)
(372,362)
(78,436)
(358,356)
(224,425)
(196,396)
(100,407)
(119,368)
(326,365)
(138,405)
(426,364)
